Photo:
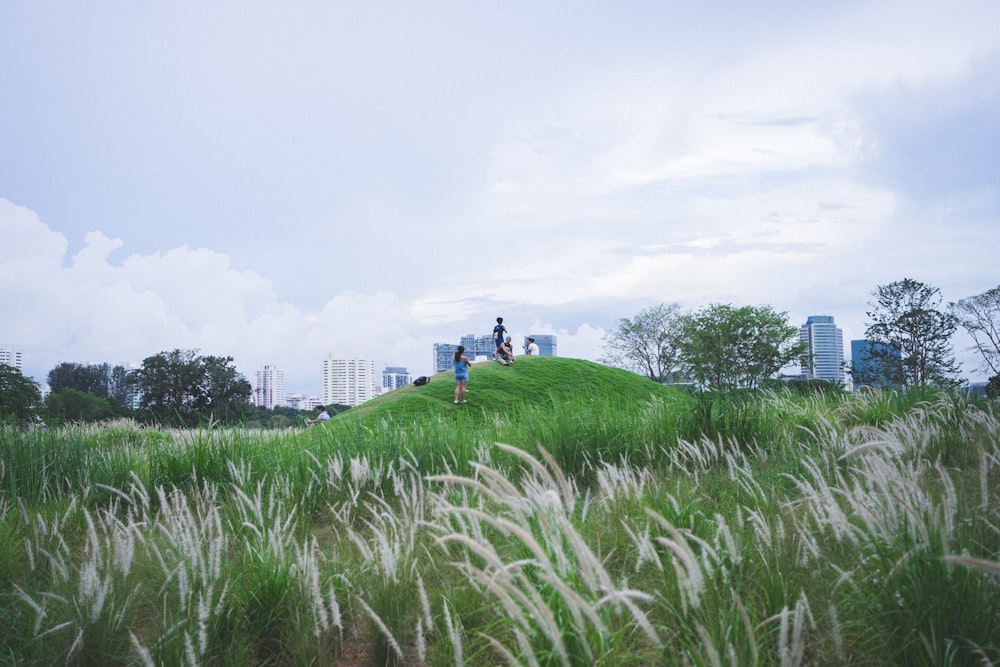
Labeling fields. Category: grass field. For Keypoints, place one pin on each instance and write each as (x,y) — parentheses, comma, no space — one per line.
(569,514)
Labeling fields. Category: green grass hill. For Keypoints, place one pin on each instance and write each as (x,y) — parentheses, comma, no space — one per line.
(500,390)
(580,407)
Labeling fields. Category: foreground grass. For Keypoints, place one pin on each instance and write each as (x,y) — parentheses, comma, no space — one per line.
(569,514)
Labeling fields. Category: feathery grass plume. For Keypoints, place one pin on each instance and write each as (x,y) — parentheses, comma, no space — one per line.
(454,627)
(616,482)
(323,605)
(377,620)
(712,656)
(988,566)
(507,654)
(558,594)
(791,645)
(425,604)
(266,518)
(644,547)
(821,501)
(388,541)
(687,566)
(838,639)
(141,652)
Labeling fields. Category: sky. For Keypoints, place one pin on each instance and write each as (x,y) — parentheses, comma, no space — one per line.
(278,182)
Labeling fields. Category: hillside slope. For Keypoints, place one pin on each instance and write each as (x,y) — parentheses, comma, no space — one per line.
(537,381)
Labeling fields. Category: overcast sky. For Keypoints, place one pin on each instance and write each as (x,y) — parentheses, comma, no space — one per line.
(281,181)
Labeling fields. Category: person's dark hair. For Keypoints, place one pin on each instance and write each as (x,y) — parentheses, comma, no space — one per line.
(320,408)
(499,320)
(459,352)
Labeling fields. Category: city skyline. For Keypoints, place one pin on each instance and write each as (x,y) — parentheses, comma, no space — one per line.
(276,194)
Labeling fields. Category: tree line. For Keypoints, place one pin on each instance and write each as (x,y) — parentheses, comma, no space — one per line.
(724,347)
(177,388)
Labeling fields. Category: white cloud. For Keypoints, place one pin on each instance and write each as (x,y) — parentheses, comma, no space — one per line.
(359,181)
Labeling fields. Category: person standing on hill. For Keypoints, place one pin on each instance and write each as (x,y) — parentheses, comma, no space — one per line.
(498,333)
(461,374)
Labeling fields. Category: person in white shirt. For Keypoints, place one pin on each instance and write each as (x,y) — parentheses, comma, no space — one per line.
(321,416)
(531,349)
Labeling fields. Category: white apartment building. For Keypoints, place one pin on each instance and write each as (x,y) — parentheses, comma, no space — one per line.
(303,402)
(825,357)
(347,381)
(10,357)
(270,389)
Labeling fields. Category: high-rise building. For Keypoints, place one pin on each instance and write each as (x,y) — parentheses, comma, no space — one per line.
(824,358)
(347,381)
(394,377)
(546,344)
(444,356)
(10,357)
(270,389)
(478,346)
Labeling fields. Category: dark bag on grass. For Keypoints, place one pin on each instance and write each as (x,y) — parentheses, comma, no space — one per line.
(421,381)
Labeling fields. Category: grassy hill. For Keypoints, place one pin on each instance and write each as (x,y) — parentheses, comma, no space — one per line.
(496,389)
(580,408)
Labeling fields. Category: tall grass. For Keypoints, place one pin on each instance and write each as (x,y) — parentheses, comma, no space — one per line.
(624,523)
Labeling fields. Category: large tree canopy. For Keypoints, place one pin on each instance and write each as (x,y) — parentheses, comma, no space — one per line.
(182,385)
(72,405)
(727,347)
(92,379)
(19,396)
(646,344)
(910,337)
(102,380)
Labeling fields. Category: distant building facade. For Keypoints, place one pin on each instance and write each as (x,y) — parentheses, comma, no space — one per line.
(394,377)
(546,344)
(10,357)
(444,356)
(870,363)
(303,402)
(347,381)
(825,349)
(478,346)
(270,389)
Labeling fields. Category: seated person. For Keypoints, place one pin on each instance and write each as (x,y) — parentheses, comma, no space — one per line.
(509,347)
(502,356)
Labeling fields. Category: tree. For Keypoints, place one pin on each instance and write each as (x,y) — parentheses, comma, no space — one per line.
(183,385)
(909,337)
(19,396)
(993,387)
(101,380)
(74,405)
(646,345)
(91,379)
(724,347)
(980,316)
